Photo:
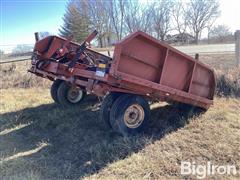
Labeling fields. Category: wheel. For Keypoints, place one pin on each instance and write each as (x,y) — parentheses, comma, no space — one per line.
(130,114)
(69,95)
(106,106)
(54,89)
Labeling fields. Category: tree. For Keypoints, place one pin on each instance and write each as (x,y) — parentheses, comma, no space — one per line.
(99,18)
(75,21)
(137,16)
(161,18)
(180,18)
(209,29)
(200,13)
(220,32)
(116,12)
(22,48)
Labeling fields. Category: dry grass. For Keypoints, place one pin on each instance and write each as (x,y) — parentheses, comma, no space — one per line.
(43,141)
(227,74)
(219,61)
(14,75)
(228,82)
(111,48)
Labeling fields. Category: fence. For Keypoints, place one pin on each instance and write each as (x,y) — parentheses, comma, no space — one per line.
(13,52)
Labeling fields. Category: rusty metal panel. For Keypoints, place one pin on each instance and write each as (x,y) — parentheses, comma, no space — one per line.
(135,61)
(143,61)
(177,72)
(202,82)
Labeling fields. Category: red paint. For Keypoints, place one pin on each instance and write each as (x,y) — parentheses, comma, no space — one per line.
(140,65)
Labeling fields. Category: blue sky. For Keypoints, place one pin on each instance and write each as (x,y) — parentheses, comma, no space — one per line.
(21,18)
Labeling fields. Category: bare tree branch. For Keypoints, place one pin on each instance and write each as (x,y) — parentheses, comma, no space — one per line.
(200,13)
(161,18)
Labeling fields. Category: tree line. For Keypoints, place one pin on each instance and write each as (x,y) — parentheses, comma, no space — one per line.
(116,18)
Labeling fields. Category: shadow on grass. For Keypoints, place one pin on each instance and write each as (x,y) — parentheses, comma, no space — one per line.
(79,145)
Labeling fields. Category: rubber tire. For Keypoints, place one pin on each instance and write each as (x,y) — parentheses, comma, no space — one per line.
(117,114)
(62,95)
(106,107)
(54,89)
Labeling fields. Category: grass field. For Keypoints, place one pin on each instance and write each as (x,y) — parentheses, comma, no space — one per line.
(39,140)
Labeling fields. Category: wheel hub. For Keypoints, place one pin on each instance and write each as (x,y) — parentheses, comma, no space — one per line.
(134,116)
(74,95)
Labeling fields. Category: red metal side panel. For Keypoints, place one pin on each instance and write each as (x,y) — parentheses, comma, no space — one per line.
(142,60)
(177,71)
(202,82)
(44,44)
(136,62)
(143,70)
(48,46)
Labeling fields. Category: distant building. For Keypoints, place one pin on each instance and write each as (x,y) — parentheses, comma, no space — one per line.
(183,38)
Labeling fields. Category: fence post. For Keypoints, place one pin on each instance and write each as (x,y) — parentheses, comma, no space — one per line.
(237,46)
(36,34)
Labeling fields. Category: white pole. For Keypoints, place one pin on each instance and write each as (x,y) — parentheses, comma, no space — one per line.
(237,46)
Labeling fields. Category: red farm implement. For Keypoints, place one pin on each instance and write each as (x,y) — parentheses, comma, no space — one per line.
(142,68)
